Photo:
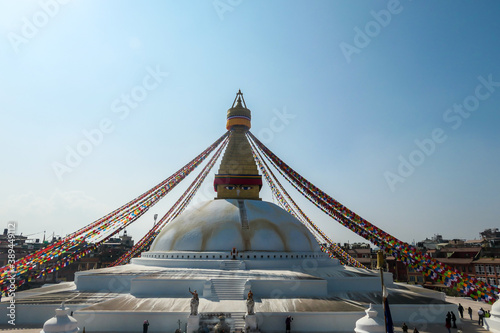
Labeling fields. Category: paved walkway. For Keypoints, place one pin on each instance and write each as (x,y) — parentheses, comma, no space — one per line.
(466,326)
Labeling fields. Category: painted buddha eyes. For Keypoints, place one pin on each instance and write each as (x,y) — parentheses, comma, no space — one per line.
(232,187)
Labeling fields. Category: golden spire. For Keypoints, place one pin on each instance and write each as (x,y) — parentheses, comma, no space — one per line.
(238,176)
(238,115)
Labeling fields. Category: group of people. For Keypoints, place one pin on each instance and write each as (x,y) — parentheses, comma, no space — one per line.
(461,310)
(451,321)
(481,314)
(405,328)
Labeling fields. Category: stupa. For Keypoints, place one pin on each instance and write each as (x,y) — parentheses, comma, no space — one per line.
(493,322)
(208,261)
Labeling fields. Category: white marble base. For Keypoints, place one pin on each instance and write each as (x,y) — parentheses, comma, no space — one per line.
(193,324)
(251,322)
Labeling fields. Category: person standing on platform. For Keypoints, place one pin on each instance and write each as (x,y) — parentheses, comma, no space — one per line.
(453,320)
(469,310)
(145,326)
(480,314)
(461,310)
(288,323)
(405,328)
(448,323)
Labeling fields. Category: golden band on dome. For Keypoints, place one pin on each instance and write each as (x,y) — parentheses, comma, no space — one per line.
(234,121)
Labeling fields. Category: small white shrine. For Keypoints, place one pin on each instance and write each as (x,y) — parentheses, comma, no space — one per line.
(493,322)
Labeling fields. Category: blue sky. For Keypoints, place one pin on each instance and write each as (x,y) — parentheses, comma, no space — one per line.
(359,82)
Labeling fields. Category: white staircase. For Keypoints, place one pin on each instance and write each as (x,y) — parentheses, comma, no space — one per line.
(228,289)
(238,321)
(232,264)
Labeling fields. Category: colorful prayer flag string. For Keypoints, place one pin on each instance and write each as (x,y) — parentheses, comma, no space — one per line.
(401,250)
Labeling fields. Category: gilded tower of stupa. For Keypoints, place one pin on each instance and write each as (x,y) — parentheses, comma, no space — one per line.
(238,177)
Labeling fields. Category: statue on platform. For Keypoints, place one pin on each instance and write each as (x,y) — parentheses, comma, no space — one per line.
(221,326)
(195,301)
(250,303)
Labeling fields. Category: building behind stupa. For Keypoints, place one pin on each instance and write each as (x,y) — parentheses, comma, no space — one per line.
(226,249)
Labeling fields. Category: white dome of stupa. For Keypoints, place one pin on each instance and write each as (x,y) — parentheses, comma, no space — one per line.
(247,225)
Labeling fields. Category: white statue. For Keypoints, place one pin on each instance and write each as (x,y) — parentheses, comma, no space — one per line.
(195,301)
(250,303)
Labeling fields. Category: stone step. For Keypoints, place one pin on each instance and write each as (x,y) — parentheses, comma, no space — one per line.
(239,322)
(225,286)
(233,265)
(228,285)
(229,264)
(228,289)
